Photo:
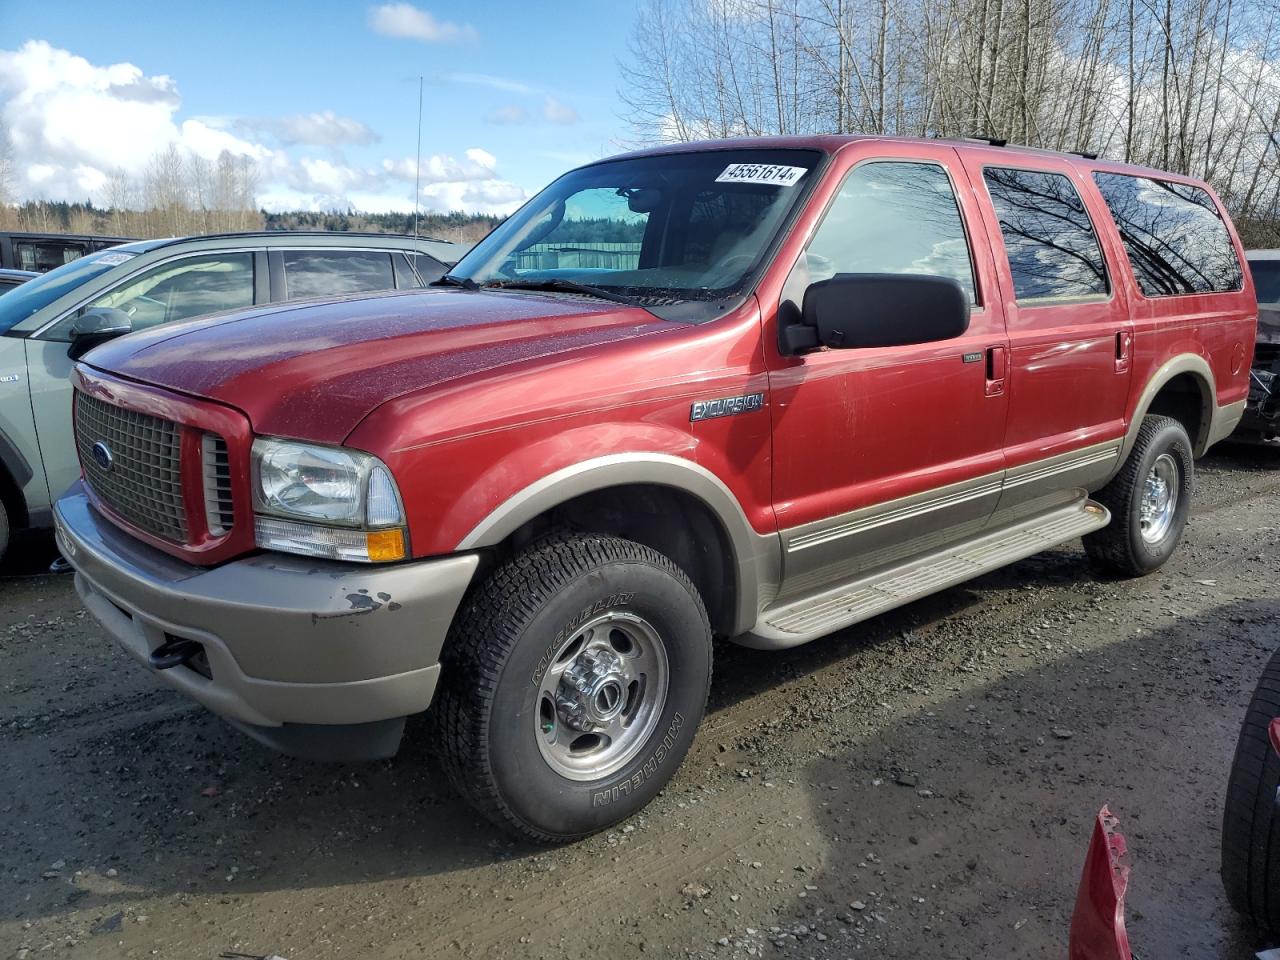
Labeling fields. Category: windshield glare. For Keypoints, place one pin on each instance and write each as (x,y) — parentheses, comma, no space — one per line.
(660,229)
(1266,278)
(22,301)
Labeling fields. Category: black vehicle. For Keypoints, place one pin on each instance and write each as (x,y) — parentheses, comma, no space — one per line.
(42,252)
(1262,417)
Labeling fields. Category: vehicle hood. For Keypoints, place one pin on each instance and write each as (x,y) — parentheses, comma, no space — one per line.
(1269,323)
(315,370)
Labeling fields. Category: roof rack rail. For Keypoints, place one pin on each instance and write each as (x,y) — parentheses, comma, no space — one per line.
(990,141)
(1087,154)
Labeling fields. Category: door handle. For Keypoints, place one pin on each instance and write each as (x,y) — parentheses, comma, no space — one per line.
(1124,350)
(997,364)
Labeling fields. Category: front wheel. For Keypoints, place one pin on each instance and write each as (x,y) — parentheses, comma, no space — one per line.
(1149,500)
(573,683)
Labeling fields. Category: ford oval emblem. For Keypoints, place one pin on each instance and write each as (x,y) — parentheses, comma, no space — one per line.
(102,455)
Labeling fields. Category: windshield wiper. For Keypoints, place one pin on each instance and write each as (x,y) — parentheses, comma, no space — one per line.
(449,280)
(559,284)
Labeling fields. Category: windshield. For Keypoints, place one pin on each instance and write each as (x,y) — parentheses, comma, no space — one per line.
(21,302)
(1266,278)
(686,228)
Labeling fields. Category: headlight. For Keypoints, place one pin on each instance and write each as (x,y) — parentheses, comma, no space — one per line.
(326,502)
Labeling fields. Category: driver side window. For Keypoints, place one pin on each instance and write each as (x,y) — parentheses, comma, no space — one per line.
(177,290)
(890,216)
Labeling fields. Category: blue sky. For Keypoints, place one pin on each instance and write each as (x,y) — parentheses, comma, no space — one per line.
(323,95)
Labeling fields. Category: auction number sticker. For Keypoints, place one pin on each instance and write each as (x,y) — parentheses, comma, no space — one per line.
(115,259)
(773,174)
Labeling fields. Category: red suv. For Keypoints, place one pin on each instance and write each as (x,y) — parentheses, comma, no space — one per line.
(756,389)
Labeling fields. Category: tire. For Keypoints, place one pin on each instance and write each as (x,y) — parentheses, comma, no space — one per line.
(537,663)
(1251,820)
(4,528)
(1136,543)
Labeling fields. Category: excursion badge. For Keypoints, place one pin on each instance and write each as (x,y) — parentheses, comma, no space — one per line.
(725,407)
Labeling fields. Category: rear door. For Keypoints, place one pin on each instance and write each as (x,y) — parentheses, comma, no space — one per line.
(1070,334)
(883,452)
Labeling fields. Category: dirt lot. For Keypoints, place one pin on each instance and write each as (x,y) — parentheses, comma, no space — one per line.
(922,786)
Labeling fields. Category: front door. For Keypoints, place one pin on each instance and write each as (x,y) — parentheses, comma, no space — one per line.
(882,453)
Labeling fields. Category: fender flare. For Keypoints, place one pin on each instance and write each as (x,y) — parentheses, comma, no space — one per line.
(756,557)
(1201,372)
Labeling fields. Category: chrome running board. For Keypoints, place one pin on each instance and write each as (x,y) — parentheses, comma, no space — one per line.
(794,622)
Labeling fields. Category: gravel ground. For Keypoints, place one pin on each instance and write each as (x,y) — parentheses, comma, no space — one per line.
(922,785)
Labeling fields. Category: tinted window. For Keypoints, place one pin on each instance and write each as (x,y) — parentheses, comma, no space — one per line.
(406,279)
(46,255)
(335,273)
(429,268)
(1052,249)
(8,283)
(1266,277)
(190,287)
(892,217)
(1176,241)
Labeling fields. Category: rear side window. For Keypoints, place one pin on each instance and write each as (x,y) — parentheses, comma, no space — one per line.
(335,273)
(1052,248)
(1175,238)
(1266,278)
(892,217)
(406,279)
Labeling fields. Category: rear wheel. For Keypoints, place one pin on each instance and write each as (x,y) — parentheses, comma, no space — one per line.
(4,528)
(573,682)
(1149,500)
(1251,822)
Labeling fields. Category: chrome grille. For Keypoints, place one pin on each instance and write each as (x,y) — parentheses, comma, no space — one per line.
(142,481)
(218,510)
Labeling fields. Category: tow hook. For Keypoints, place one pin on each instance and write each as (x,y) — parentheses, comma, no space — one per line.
(174,652)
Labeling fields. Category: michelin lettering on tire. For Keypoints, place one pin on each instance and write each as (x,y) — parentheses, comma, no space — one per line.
(544,662)
(648,769)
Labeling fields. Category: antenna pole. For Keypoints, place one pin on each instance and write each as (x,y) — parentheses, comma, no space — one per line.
(417,167)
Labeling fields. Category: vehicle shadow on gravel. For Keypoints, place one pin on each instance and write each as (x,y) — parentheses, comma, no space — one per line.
(960,831)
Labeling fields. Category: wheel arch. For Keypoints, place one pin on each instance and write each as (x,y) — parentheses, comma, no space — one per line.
(671,504)
(1182,388)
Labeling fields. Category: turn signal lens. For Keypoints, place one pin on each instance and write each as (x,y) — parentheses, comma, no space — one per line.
(385,545)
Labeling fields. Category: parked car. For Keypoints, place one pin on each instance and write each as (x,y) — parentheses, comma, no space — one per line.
(47,322)
(1262,417)
(11,278)
(817,378)
(42,252)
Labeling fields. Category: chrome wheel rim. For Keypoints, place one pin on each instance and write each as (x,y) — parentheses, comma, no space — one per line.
(1159,499)
(602,696)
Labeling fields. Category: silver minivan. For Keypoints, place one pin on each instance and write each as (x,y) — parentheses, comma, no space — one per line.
(49,321)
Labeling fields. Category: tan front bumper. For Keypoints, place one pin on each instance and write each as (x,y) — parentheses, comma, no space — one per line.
(289,640)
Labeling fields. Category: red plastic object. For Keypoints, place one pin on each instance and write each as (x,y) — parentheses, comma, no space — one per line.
(1275,734)
(1097,925)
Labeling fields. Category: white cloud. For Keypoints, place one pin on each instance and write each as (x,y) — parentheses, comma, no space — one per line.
(490,81)
(509,115)
(323,129)
(555,111)
(72,124)
(406,20)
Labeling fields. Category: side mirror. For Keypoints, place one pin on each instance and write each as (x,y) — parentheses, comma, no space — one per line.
(878,310)
(97,326)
